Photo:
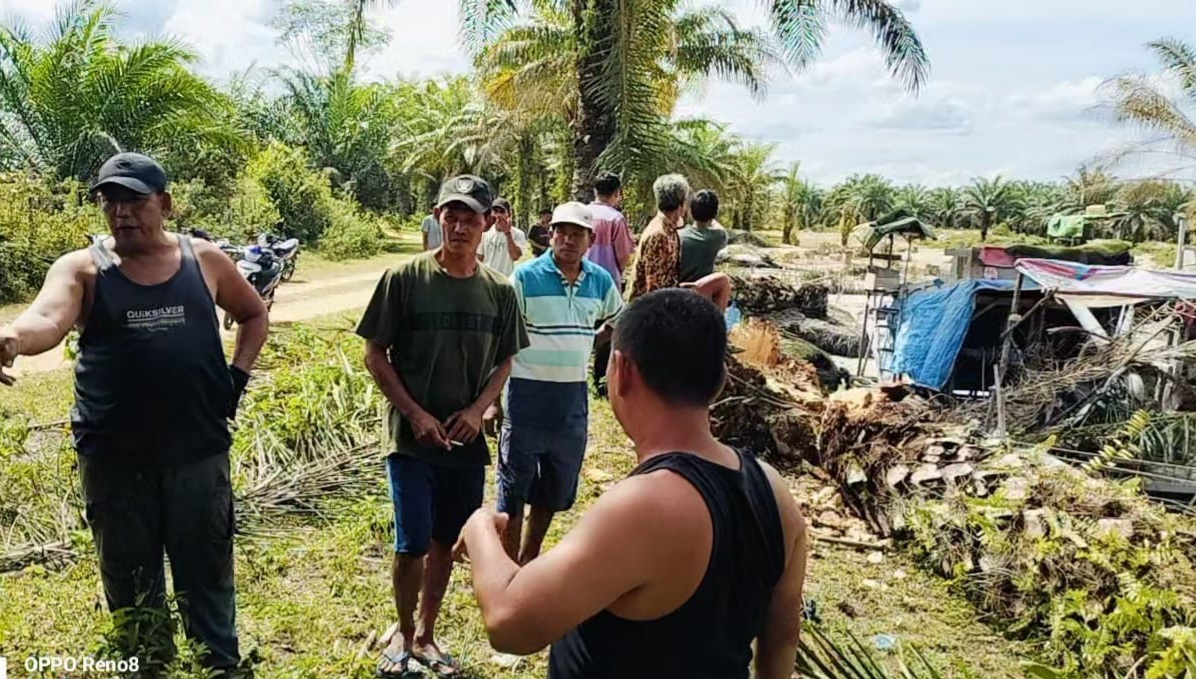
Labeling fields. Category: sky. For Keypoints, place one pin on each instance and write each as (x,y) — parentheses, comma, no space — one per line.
(1013,90)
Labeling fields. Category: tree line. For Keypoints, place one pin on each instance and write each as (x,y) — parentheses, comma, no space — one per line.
(560,90)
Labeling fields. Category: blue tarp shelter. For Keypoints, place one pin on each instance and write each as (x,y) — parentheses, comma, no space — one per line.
(933,326)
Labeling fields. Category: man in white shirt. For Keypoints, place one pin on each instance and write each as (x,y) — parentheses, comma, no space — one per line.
(503,244)
(432,234)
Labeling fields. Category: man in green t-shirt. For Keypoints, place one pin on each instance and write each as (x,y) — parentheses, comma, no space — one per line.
(702,240)
(441,332)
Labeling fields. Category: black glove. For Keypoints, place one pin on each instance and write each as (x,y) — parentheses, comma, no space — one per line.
(240,381)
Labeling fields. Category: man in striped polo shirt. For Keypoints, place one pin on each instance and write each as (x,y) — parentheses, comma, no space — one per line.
(563,297)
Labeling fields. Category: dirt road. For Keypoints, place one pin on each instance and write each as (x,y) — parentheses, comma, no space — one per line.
(326,291)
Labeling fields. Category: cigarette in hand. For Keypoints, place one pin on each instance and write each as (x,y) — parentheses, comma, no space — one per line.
(457,444)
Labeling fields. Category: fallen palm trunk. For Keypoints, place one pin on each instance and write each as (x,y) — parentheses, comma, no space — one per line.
(766,294)
(831,337)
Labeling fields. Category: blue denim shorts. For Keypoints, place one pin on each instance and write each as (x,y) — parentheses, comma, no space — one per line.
(431,502)
(539,467)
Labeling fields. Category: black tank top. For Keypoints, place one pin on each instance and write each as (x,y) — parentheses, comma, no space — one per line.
(151,383)
(710,636)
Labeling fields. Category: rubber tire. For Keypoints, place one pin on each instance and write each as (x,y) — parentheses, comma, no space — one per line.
(288,271)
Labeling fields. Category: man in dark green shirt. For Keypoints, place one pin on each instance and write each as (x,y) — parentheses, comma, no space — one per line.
(702,240)
(441,332)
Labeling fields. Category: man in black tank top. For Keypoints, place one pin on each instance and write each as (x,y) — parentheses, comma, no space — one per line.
(678,570)
(153,396)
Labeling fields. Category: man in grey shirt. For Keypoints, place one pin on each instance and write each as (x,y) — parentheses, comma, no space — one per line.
(702,240)
(432,233)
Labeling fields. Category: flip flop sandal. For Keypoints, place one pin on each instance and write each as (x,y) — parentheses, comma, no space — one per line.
(403,664)
(444,666)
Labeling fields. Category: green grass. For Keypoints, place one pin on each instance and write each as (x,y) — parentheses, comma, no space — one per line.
(44,397)
(310,597)
(402,245)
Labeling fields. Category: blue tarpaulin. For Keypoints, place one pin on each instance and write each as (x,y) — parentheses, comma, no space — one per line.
(933,326)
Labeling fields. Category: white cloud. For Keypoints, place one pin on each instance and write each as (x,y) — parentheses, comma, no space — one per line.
(945,115)
(28,10)
(230,34)
(1068,100)
(1012,89)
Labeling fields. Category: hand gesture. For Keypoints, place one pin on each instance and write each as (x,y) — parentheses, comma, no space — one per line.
(10,348)
(482,519)
(429,432)
(464,425)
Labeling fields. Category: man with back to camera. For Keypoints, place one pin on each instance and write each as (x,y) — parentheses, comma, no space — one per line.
(563,298)
(540,234)
(676,570)
(612,250)
(441,332)
(153,396)
(702,240)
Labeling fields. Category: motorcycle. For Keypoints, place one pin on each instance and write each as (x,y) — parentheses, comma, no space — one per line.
(233,251)
(263,268)
(287,250)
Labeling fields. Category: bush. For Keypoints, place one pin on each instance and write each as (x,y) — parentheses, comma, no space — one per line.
(302,197)
(354,234)
(39,222)
(239,215)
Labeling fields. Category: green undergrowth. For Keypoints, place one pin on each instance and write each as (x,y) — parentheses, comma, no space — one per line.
(1097,579)
(313,556)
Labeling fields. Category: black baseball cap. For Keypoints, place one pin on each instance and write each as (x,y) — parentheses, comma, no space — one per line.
(468,189)
(133,171)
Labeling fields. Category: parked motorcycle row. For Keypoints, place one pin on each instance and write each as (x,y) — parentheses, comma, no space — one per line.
(266,264)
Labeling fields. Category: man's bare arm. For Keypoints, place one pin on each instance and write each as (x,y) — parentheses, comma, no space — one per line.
(776,648)
(236,296)
(513,248)
(427,430)
(494,385)
(56,309)
(377,362)
(611,552)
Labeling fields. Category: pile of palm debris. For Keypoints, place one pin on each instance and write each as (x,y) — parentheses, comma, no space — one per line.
(1084,564)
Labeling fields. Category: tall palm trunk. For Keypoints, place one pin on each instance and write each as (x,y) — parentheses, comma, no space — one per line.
(594,127)
(526,171)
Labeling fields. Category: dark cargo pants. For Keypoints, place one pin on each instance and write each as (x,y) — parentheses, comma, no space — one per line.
(136,513)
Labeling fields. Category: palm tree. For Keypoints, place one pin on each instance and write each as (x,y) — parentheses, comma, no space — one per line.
(1140,100)
(1036,203)
(1147,210)
(749,183)
(347,128)
(445,129)
(801,203)
(944,206)
(77,96)
(1088,186)
(359,27)
(913,198)
(866,197)
(989,201)
(622,63)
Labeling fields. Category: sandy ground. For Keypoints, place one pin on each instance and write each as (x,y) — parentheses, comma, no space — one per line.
(328,291)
